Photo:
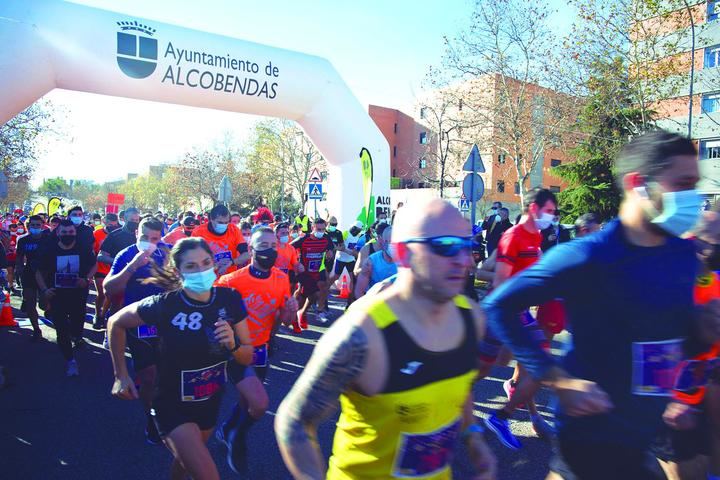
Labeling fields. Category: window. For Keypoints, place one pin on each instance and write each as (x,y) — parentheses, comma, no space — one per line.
(422,112)
(501,186)
(554,189)
(709,149)
(423,163)
(395,128)
(423,138)
(711,103)
(394,172)
(517,188)
(712,57)
(555,162)
(501,158)
(394,150)
(712,11)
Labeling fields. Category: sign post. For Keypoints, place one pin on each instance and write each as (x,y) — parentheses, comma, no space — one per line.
(473,186)
(315,188)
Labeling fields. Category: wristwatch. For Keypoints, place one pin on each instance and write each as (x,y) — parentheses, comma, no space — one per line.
(474,428)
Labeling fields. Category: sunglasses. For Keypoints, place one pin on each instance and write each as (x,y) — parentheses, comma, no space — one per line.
(445,246)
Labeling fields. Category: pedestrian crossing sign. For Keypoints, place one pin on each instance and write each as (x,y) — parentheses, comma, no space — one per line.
(315,191)
(464,205)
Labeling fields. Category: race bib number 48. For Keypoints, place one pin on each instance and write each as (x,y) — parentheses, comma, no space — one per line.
(424,454)
(654,367)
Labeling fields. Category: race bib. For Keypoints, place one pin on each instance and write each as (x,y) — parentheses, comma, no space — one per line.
(223,257)
(66,280)
(199,385)
(654,367)
(147,331)
(260,356)
(420,455)
(314,265)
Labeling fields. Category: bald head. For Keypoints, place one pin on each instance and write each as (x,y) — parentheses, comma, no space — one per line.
(430,218)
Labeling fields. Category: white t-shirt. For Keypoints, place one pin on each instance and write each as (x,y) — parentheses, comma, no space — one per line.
(351,244)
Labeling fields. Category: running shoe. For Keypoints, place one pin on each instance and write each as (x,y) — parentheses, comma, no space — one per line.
(509,387)
(152,436)
(72,369)
(302,321)
(502,430)
(322,317)
(542,428)
(296,328)
(36,336)
(106,342)
(98,323)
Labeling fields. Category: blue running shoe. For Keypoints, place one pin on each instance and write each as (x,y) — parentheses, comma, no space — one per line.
(502,430)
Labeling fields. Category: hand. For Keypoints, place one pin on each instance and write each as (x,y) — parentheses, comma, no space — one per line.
(581,397)
(49,293)
(289,311)
(481,457)
(140,260)
(124,388)
(680,416)
(224,334)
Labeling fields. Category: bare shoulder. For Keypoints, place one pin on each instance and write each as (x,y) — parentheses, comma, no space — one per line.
(478,316)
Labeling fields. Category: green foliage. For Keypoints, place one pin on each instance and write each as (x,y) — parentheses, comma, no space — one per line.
(605,124)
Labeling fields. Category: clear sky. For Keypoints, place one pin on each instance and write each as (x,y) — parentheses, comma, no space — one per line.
(382,49)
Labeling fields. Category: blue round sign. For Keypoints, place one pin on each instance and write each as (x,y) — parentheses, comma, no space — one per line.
(467,187)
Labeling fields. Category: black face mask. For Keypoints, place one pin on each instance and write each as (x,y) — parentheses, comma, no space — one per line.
(354,231)
(266,258)
(188,232)
(112,228)
(713,261)
(67,240)
(132,226)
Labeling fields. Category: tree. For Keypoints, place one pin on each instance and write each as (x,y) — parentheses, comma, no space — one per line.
(19,148)
(507,86)
(55,187)
(591,183)
(282,157)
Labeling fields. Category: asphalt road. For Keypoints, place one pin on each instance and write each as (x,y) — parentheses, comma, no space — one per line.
(58,428)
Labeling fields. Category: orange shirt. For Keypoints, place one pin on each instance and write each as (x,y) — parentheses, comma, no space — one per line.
(263,298)
(175,236)
(287,258)
(102,268)
(225,245)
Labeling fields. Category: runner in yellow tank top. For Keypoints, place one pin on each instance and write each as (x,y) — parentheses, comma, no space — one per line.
(402,364)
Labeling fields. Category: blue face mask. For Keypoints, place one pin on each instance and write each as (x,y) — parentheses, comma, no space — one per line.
(76,220)
(681,211)
(284,239)
(35,231)
(220,227)
(199,282)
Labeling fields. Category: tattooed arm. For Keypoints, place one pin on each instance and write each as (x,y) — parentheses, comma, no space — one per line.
(337,361)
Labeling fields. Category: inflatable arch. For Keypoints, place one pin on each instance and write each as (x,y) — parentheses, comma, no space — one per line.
(51,44)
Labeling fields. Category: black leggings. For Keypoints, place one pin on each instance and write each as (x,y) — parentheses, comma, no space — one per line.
(67,312)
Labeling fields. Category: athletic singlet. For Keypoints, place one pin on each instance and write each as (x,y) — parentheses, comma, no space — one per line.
(381,268)
(409,430)
(312,251)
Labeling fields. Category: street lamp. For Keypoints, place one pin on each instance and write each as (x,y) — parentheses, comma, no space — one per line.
(692,68)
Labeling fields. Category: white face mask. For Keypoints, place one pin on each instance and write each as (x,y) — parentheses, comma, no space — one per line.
(498,218)
(544,221)
(147,247)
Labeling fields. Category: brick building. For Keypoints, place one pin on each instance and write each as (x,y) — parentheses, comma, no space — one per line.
(409,142)
(673,109)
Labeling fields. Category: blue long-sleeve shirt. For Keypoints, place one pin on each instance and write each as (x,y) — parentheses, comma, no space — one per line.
(615,294)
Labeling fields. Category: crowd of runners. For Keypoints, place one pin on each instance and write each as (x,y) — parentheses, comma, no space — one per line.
(432,305)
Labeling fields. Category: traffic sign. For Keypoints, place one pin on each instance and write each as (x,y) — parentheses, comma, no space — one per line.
(467,187)
(464,205)
(474,161)
(315,191)
(315,176)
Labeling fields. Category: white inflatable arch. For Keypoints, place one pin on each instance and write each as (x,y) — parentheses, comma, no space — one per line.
(55,44)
